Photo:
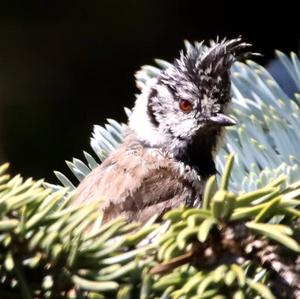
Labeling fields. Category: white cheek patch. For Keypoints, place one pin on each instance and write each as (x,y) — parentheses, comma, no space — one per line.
(140,123)
(185,128)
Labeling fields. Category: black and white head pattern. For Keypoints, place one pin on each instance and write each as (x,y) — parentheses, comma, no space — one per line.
(190,96)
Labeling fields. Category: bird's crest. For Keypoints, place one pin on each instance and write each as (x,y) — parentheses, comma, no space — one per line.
(198,61)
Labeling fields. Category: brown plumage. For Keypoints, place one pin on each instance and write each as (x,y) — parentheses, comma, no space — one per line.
(138,182)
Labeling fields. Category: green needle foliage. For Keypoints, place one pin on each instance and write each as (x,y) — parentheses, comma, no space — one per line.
(243,242)
(51,249)
(48,246)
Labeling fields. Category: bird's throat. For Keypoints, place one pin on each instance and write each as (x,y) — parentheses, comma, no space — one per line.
(198,154)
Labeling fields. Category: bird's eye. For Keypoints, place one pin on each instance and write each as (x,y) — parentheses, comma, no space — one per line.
(185,105)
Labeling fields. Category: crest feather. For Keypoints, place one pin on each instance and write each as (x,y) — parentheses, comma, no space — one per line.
(214,59)
(205,62)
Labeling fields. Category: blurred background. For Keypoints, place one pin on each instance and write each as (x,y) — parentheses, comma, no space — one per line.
(66,65)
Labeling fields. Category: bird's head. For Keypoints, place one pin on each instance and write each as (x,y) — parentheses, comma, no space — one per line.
(190,97)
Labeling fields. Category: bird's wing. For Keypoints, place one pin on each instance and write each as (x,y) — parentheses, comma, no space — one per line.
(160,190)
(136,183)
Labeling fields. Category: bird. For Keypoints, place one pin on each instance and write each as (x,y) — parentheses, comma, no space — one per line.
(174,130)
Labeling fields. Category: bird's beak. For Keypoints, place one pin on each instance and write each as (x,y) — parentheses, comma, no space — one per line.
(222,120)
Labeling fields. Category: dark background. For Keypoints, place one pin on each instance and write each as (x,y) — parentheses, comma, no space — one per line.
(66,65)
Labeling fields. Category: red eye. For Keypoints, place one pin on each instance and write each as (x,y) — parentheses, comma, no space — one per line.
(185,106)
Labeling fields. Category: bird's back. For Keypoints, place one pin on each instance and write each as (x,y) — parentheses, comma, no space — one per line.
(137,182)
